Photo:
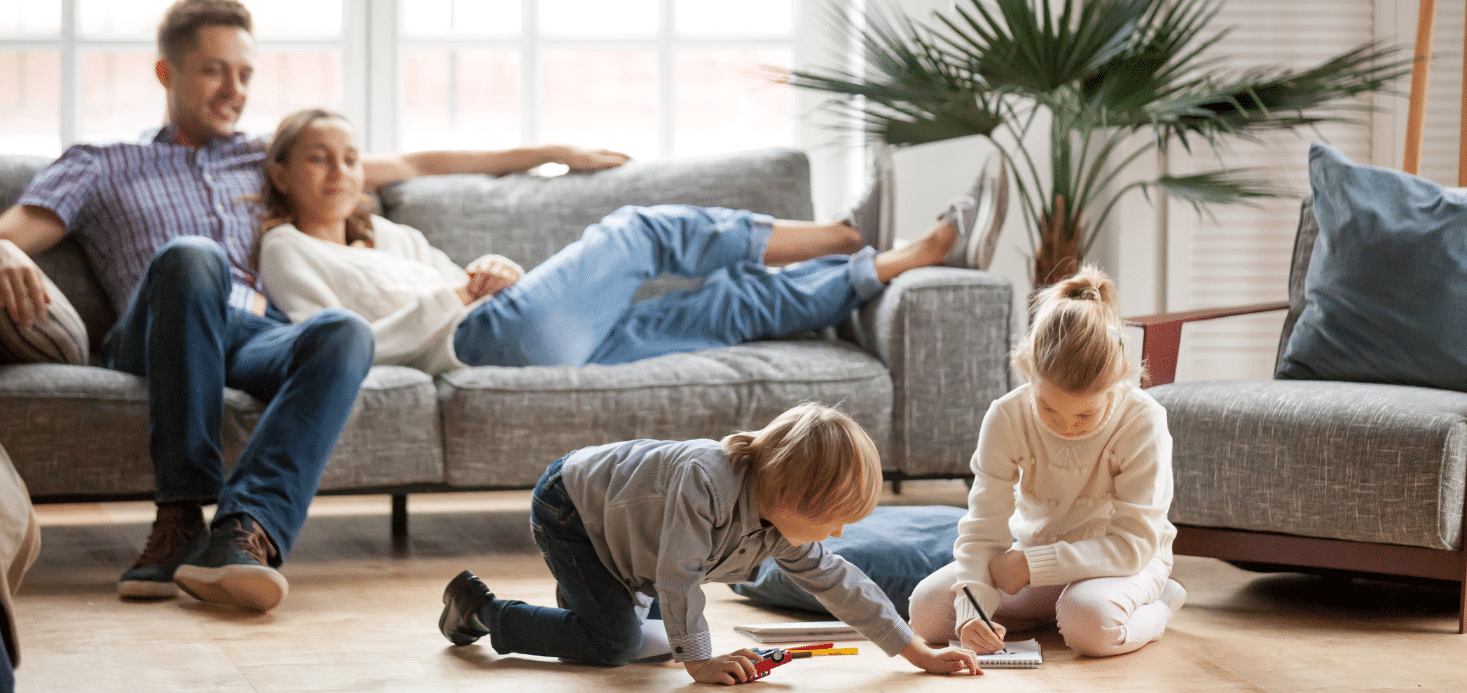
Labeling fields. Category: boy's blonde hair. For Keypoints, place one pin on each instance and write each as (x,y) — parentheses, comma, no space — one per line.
(1075,342)
(814,460)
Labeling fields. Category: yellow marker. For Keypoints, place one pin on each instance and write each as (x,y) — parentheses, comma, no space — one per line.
(821,653)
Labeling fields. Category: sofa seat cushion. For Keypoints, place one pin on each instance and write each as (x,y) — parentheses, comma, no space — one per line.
(392,437)
(82,430)
(503,426)
(1353,461)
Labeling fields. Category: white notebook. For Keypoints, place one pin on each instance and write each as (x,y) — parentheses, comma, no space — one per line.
(799,631)
(1024,654)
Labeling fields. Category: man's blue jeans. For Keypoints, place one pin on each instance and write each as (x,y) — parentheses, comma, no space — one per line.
(180,333)
(576,308)
(597,623)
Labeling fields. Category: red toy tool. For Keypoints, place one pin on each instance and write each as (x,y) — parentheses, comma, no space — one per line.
(771,658)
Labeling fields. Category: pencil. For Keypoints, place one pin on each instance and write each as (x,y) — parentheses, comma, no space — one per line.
(974,602)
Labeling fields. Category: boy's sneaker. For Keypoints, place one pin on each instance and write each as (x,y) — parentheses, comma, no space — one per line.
(178,531)
(234,568)
(978,215)
(874,213)
(462,599)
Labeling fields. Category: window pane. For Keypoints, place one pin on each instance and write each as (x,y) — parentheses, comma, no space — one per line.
(120,96)
(724,102)
(132,18)
(461,17)
(757,17)
(30,90)
(601,99)
(461,100)
(30,16)
(295,18)
(619,19)
(287,81)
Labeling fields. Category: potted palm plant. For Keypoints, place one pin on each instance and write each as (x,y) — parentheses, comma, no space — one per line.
(1111,80)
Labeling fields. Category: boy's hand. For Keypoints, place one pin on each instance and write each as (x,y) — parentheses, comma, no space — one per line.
(948,660)
(1010,571)
(976,636)
(726,669)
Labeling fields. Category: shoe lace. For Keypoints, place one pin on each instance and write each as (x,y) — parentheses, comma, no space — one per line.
(255,543)
(171,531)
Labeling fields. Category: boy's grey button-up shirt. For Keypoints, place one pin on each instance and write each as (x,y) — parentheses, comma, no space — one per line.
(667,516)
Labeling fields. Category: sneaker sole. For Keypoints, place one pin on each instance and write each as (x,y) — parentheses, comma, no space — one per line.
(251,587)
(146,589)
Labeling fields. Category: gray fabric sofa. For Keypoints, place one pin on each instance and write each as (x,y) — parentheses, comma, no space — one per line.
(917,366)
(1315,476)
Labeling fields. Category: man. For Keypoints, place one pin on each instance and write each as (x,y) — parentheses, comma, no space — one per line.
(168,226)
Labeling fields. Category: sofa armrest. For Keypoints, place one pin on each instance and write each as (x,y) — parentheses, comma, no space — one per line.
(945,335)
(1161,335)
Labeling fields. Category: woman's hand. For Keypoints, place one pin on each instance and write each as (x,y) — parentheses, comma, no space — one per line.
(948,660)
(490,275)
(1010,571)
(976,636)
(726,669)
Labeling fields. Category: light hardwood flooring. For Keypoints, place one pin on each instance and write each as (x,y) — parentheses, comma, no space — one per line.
(362,616)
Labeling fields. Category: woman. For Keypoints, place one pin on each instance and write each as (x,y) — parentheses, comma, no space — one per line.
(321,249)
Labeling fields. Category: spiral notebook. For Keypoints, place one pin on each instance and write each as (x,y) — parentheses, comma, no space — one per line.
(1024,654)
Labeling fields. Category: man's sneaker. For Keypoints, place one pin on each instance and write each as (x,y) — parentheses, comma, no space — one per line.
(178,531)
(874,213)
(234,568)
(462,599)
(978,215)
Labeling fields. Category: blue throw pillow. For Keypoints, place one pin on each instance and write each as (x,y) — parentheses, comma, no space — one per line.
(1386,291)
(896,546)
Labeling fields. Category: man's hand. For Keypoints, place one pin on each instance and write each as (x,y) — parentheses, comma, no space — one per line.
(1010,571)
(948,660)
(589,159)
(976,636)
(491,274)
(22,290)
(726,669)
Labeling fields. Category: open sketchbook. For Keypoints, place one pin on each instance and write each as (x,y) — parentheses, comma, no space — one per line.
(1024,654)
(799,631)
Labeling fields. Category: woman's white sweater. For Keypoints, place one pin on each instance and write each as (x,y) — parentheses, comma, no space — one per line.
(403,286)
(1090,506)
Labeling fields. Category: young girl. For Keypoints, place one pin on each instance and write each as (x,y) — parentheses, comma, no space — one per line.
(624,523)
(1086,538)
(321,250)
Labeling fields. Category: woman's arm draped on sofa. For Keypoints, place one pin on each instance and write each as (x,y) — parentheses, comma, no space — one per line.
(384,169)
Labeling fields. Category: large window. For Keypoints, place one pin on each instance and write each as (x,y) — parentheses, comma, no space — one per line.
(654,78)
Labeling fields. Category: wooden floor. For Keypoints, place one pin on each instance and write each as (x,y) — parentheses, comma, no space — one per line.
(362,616)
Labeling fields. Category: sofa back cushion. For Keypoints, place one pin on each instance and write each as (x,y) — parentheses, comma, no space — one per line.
(64,263)
(528,217)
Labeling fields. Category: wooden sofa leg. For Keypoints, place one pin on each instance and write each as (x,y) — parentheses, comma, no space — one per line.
(399,518)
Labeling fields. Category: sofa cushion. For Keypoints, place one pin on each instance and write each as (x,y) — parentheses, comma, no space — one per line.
(1387,280)
(1353,461)
(503,426)
(895,546)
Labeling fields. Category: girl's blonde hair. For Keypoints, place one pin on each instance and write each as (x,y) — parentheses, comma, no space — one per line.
(1075,342)
(814,460)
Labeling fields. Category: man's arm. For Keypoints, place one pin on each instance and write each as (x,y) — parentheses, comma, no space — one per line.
(384,169)
(25,231)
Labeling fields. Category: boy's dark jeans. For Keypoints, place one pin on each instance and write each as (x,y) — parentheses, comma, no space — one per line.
(597,623)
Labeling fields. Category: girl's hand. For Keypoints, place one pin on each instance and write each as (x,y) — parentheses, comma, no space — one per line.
(948,660)
(491,274)
(976,636)
(726,669)
(1010,571)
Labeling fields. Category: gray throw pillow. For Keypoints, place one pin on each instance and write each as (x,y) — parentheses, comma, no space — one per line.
(1386,291)
(60,337)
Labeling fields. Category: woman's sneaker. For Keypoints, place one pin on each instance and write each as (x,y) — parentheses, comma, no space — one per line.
(977,215)
(178,531)
(235,568)
(874,213)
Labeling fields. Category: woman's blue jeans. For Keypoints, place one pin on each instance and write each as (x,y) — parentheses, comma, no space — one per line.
(576,308)
(597,622)
(182,336)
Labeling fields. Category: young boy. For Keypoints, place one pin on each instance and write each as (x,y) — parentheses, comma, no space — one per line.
(623,523)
